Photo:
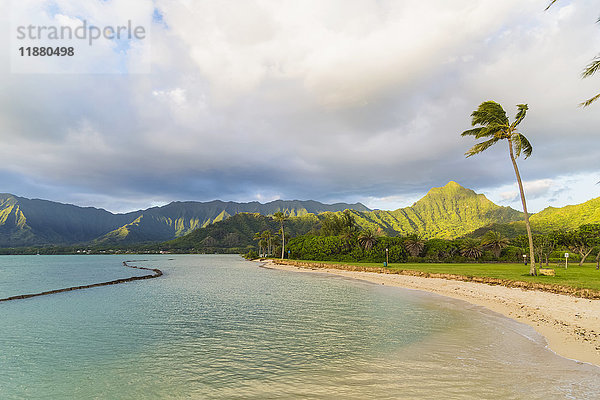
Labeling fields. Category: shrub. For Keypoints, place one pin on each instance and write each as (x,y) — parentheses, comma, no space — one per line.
(251,255)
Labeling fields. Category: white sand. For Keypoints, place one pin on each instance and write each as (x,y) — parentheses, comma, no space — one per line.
(571,325)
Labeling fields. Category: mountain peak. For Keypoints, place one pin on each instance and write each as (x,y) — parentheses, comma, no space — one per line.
(453,185)
(451,189)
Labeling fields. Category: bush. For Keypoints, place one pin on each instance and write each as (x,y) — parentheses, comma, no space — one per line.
(251,255)
(333,248)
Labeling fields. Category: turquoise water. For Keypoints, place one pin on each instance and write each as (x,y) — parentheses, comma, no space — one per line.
(218,327)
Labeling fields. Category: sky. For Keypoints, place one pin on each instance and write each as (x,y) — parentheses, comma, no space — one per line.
(329,100)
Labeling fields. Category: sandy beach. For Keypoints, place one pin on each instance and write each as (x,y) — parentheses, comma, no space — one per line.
(571,325)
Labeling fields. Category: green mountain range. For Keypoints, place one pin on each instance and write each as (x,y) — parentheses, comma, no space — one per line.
(237,233)
(446,212)
(26,222)
(549,219)
(568,217)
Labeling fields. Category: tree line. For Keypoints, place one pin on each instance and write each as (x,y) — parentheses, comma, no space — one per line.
(339,238)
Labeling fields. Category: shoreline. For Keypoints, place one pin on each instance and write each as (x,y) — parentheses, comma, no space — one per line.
(570,325)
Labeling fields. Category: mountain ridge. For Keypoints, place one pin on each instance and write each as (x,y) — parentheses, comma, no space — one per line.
(31,222)
(446,212)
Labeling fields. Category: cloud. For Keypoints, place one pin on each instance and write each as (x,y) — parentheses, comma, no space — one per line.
(332,100)
(557,192)
(534,189)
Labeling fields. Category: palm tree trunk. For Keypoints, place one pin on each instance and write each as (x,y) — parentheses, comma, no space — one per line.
(598,260)
(532,270)
(282,242)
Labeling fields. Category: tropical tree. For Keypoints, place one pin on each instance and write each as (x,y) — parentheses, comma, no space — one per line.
(268,237)
(580,241)
(493,125)
(594,231)
(262,243)
(414,244)
(545,244)
(347,235)
(258,236)
(331,225)
(440,249)
(592,234)
(495,241)
(349,222)
(471,248)
(367,239)
(276,242)
(281,218)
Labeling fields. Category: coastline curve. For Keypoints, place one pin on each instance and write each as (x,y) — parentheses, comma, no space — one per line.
(570,323)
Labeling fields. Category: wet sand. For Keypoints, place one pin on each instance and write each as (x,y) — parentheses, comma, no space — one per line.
(571,325)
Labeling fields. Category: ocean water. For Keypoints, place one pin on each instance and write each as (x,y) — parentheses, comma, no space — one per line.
(218,327)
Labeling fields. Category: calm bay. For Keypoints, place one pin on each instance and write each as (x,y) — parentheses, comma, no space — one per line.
(219,327)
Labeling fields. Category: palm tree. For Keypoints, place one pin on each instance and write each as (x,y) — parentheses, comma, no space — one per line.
(495,126)
(281,218)
(414,244)
(268,237)
(258,236)
(367,239)
(347,235)
(263,245)
(471,248)
(495,241)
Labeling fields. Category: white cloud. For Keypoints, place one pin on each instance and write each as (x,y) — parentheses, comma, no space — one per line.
(558,191)
(361,100)
(177,95)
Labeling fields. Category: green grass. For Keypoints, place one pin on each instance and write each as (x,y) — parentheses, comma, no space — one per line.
(584,277)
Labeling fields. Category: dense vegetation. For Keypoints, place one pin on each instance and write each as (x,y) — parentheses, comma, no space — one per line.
(341,239)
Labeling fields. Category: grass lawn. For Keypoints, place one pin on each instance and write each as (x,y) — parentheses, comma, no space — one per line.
(586,276)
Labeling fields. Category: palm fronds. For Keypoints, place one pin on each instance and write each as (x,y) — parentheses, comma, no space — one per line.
(471,248)
(473,132)
(522,145)
(479,147)
(414,244)
(367,239)
(495,241)
(550,5)
(590,101)
(520,114)
(591,68)
(494,124)
(489,113)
